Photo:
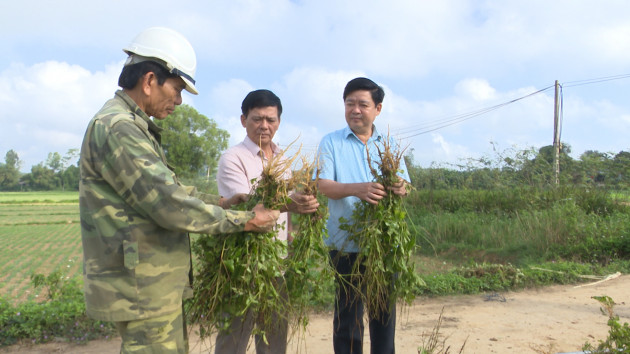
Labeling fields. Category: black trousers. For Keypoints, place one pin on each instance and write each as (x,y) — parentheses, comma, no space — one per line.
(348,319)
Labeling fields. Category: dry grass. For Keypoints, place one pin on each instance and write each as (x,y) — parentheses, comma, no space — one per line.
(434,342)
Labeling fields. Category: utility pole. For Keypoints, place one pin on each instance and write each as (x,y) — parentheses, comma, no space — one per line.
(556,134)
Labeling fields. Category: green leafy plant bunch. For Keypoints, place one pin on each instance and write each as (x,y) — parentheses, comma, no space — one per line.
(308,267)
(249,273)
(384,269)
(241,273)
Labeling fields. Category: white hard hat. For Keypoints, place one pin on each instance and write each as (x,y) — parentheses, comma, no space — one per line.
(170,48)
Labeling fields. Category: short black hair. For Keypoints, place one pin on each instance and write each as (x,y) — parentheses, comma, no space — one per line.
(362,83)
(131,74)
(260,99)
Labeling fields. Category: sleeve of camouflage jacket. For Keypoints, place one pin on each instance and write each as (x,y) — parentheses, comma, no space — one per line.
(136,168)
(204,197)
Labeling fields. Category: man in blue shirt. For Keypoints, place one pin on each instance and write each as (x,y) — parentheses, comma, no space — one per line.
(346,178)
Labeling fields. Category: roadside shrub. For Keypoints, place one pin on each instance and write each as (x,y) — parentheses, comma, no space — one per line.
(57,286)
(61,317)
(618,340)
(597,239)
(472,280)
(509,201)
(521,226)
(597,201)
(485,277)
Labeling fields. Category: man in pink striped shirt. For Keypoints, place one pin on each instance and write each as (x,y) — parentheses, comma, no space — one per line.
(238,166)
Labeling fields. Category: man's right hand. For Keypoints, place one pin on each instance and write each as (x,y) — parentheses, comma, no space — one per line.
(227,203)
(264,220)
(371,192)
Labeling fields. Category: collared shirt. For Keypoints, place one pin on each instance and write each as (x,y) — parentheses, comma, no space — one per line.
(239,166)
(135,217)
(343,158)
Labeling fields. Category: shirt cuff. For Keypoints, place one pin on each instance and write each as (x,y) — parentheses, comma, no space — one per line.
(239,218)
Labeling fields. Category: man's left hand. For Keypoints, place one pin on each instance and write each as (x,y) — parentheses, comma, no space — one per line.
(302,203)
(400,188)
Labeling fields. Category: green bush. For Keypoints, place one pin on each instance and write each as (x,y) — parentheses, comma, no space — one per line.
(60,317)
(479,278)
(618,340)
(521,226)
(597,239)
(473,280)
(510,201)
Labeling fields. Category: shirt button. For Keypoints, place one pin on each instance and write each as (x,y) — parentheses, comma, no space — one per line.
(237,221)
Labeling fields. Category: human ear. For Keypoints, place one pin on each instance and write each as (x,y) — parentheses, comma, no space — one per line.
(147,81)
(378,108)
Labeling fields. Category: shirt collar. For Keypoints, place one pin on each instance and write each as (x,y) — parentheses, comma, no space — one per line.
(133,107)
(255,149)
(347,132)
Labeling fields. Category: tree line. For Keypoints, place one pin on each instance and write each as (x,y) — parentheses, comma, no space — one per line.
(56,173)
(193,144)
(530,167)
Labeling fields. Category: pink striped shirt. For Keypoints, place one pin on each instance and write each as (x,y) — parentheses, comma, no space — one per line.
(239,165)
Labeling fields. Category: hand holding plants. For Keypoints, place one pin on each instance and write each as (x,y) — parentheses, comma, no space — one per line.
(302,203)
(227,203)
(264,220)
(379,226)
(371,192)
(399,188)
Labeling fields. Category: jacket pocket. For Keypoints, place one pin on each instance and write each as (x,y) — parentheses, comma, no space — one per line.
(130,250)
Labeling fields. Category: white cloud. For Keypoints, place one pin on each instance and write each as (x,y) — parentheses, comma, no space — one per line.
(612,42)
(436,59)
(313,96)
(225,97)
(439,141)
(46,107)
(477,89)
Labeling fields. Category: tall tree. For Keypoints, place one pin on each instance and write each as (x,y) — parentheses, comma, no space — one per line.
(53,161)
(594,165)
(192,142)
(68,174)
(621,169)
(539,170)
(70,178)
(12,160)
(42,178)
(68,158)
(10,171)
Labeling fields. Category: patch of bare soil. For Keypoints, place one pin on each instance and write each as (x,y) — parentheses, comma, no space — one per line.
(553,319)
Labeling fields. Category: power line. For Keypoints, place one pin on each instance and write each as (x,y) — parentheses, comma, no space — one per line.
(595,80)
(462,117)
(443,123)
(431,126)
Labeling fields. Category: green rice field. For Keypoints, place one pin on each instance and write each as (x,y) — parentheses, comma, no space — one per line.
(39,233)
(39,197)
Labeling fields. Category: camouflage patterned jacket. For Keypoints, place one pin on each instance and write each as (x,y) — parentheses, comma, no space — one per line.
(135,216)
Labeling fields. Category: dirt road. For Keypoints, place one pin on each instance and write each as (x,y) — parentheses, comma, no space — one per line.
(548,320)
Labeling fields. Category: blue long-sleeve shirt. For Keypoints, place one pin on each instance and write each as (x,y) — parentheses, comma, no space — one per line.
(343,158)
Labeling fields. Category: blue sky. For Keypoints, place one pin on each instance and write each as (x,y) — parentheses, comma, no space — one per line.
(437,60)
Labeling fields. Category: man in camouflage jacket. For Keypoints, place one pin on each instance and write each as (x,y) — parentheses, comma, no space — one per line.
(135,215)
